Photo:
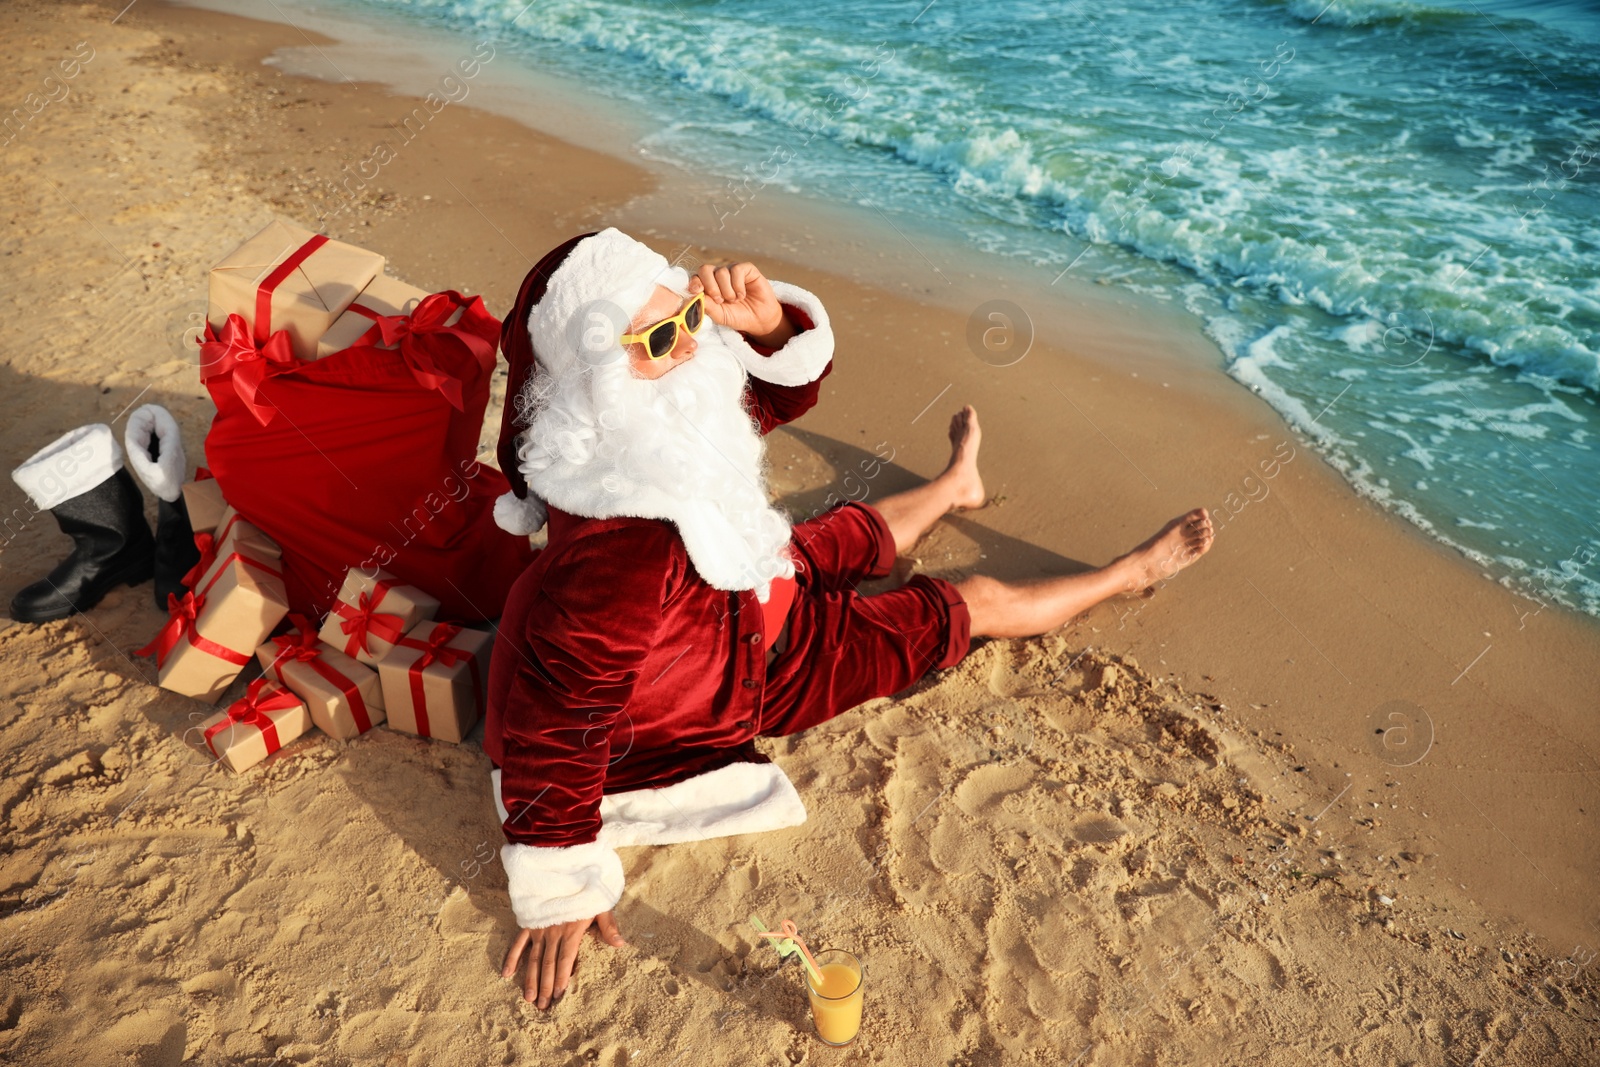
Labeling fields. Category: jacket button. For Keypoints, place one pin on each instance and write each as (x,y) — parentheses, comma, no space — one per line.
(754,639)
(745,724)
(749,683)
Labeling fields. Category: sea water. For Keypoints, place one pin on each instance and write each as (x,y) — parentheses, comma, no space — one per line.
(1386,213)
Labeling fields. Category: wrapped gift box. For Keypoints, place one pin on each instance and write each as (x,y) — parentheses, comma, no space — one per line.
(211,632)
(385,296)
(373,612)
(301,280)
(388,298)
(344,696)
(234,528)
(203,500)
(265,719)
(433,680)
(234,536)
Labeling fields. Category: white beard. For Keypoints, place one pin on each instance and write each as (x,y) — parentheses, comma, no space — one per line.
(602,443)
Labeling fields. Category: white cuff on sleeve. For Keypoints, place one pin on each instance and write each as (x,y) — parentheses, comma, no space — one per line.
(740,798)
(804,356)
(558,885)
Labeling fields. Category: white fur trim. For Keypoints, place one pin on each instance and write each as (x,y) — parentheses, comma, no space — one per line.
(69,466)
(595,292)
(522,518)
(718,546)
(556,885)
(741,798)
(164,477)
(718,553)
(609,267)
(803,357)
(559,885)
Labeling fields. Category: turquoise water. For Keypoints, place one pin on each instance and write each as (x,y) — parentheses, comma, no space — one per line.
(1386,213)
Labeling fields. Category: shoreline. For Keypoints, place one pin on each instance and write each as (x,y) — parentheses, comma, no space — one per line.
(678,210)
(1313,617)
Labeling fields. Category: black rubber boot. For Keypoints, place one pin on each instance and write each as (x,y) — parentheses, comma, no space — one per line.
(114,547)
(155,452)
(176,553)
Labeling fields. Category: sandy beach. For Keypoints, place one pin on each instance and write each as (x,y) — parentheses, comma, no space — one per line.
(1182,830)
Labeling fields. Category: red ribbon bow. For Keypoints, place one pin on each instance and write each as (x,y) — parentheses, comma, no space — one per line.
(249,356)
(304,646)
(207,544)
(251,710)
(300,645)
(182,614)
(437,649)
(234,354)
(425,336)
(363,619)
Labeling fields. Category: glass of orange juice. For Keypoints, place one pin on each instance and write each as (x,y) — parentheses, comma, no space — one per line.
(836,1002)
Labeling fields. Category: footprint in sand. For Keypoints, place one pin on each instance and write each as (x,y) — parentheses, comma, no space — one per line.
(212,983)
(1061,991)
(980,794)
(150,1038)
(460,919)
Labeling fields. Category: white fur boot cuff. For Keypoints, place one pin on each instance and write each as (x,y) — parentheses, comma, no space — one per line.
(69,466)
(164,476)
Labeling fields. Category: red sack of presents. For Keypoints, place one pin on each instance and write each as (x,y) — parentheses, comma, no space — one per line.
(368,458)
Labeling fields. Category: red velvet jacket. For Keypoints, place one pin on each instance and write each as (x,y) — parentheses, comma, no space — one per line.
(617,667)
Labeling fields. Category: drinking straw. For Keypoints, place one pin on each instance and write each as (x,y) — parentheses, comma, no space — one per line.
(788,943)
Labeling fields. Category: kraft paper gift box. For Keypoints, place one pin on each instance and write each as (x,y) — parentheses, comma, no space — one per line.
(387,297)
(384,296)
(234,535)
(434,678)
(211,632)
(373,612)
(252,728)
(232,526)
(203,501)
(301,280)
(344,696)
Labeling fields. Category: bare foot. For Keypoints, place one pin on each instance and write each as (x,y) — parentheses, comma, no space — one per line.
(1178,544)
(966,486)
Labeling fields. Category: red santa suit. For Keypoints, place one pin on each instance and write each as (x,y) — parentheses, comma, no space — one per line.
(630,676)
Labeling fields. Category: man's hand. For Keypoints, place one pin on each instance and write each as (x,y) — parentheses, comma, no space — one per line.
(739,298)
(552,953)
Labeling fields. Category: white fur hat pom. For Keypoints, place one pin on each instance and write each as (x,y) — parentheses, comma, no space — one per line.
(521,518)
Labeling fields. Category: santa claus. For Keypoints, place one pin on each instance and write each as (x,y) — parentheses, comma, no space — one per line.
(675,615)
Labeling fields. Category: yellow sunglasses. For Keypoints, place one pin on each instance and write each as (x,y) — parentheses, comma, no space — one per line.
(660,339)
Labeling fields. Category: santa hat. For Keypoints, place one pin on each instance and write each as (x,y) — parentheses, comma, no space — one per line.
(607,269)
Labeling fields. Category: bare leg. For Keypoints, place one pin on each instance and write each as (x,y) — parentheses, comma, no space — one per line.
(912,513)
(1005,609)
